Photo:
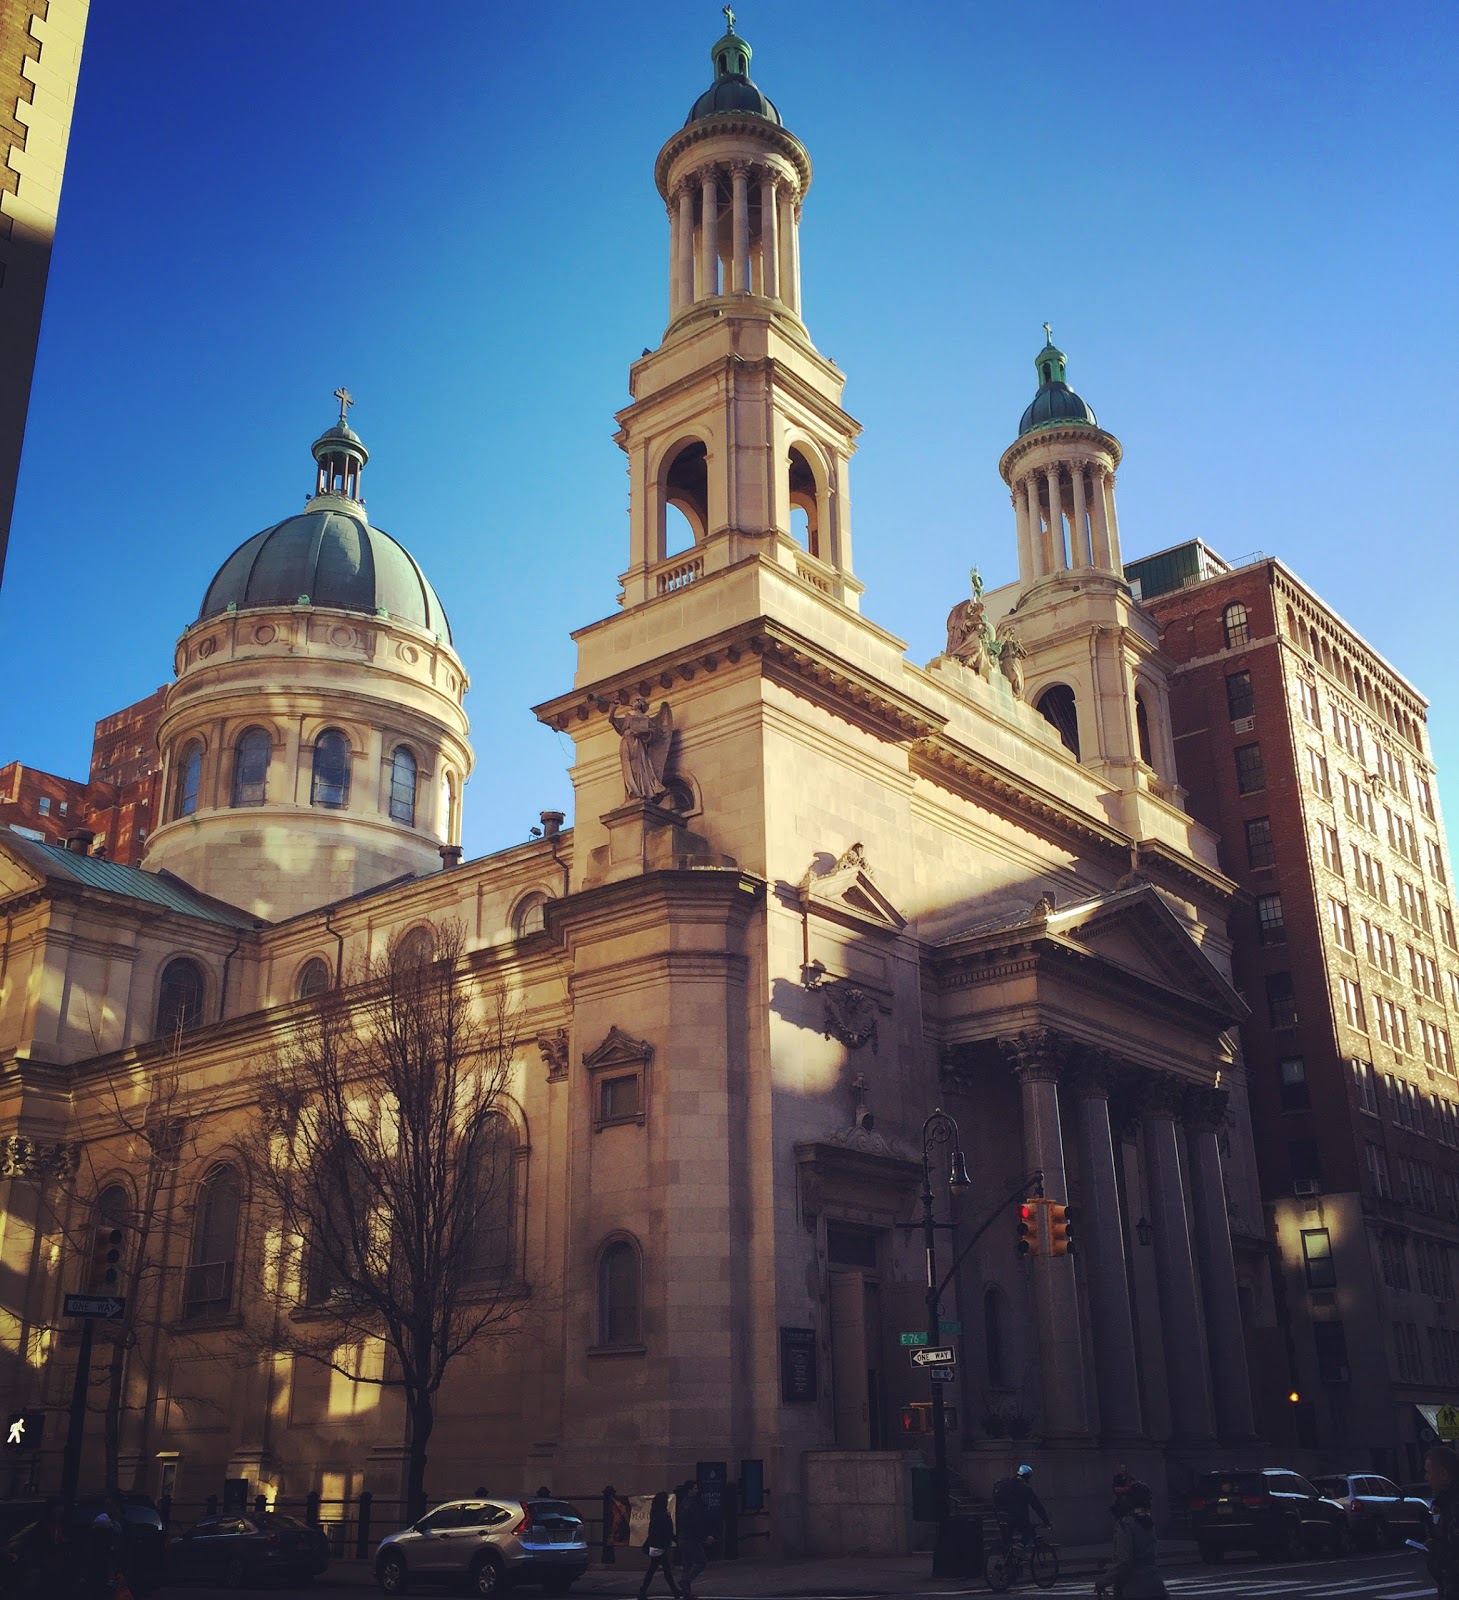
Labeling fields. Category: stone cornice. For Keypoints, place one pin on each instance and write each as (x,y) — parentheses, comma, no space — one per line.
(703,128)
(1078,435)
(1157,860)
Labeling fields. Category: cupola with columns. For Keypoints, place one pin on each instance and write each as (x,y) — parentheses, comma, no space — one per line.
(736,421)
(1093,663)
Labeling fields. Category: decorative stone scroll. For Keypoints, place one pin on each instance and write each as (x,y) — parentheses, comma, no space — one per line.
(22,1157)
(851,1014)
(554,1048)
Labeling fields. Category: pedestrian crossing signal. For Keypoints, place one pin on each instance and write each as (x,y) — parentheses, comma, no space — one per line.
(1029,1243)
(23,1430)
(917,1418)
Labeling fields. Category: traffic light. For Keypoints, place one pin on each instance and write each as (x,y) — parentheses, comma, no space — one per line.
(1060,1218)
(24,1430)
(106,1255)
(1029,1243)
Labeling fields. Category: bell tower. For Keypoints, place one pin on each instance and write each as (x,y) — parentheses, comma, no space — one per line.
(736,422)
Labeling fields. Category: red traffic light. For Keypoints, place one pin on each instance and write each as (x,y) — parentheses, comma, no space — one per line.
(1028,1240)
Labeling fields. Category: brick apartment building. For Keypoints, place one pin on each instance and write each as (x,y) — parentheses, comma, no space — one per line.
(1307,752)
(118,801)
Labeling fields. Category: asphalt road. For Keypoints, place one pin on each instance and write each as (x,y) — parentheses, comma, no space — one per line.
(1386,1577)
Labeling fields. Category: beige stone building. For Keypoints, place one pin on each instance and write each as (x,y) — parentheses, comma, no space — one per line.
(813,890)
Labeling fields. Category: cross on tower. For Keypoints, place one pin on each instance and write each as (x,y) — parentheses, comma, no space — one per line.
(1048,333)
(346,399)
(729,18)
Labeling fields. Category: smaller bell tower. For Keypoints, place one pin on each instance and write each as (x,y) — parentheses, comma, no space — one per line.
(736,423)
(1093,664)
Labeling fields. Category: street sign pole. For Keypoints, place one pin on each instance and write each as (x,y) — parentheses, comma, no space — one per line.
(71,1461)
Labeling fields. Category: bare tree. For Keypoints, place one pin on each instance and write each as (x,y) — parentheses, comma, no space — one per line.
(380,1162)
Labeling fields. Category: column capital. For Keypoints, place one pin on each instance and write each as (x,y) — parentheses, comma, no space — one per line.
(1036,1055)
(708,174)
(1164,1096)
(1203,1108)
(741,169)
(1094,1072)
(685,186)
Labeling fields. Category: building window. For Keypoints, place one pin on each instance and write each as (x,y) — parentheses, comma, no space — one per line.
(180,998)
(402,786)
(1378,1171)
(1342,924)
(619,1099)
(1261,848)
(1236,625)
(1250,776)
(250,767)
(208,1286)
(1331,849)
(44,805)
(1281,1000)
(1367,1087)
(1270,924)
(493,1239)
(1352,1004)
(530,915)
(1317,1258)
(331,782)
(1292,1082)
(1410,1361)
(416,948)
(313,978)
(189,778)
(620,1316)
(1332,1351)
(1240,699)
(1393,1256)
(1304,1161)
(1311,706)
(1142,731)
(1057,707)
(1321,782)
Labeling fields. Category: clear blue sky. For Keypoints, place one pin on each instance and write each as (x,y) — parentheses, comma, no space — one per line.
(1240,219)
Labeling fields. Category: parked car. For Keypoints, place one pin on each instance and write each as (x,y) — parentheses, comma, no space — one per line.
(488,1544)
(27,1558)
(1419,1491)
(235,1550)
(1379,1512)
(1266,1509)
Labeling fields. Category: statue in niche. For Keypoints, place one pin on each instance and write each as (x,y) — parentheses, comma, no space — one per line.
(644,738)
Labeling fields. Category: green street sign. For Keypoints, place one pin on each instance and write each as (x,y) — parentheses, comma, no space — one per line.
(949,1327)
(914,1338)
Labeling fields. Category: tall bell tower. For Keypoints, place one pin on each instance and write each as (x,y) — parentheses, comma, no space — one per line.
(736,420)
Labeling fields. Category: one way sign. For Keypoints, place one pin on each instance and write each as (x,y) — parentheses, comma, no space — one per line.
(109,1307)
(943,1357)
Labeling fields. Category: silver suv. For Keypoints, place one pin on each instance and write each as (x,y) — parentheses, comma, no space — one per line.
(488,1544)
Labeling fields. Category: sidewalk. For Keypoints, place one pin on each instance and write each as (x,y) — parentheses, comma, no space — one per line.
(808,1578)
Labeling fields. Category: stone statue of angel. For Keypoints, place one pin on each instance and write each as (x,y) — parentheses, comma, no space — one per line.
(643,749)
(968,633)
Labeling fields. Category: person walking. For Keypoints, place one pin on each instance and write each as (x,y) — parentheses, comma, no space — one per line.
(657,1546)
(1133,1574)
(694,1536)
(1441,1471)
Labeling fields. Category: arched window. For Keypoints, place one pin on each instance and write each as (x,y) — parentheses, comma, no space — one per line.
(402,786)
(180,998)
(189,779)
(1236,624)
(1056,706)
(1142,730)
(331,785)
(805,500)
(493,1240)
(995,1339)
(208,1287)
(686,489)
(530,915)
(250,767)
(620,1312)
(416,948)
(313,978)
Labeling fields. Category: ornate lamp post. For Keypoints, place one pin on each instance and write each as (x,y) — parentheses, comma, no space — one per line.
(938,1129)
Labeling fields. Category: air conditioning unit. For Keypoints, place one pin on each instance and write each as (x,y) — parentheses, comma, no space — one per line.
(1243,725)
(1306,1187)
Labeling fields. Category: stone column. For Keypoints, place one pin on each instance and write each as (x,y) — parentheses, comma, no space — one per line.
(1079,549)
(1035,1057)
(786,223)
(708,232)
(1112,523)
(1025,546)
(673,211)
(1205,1115)
(1098,518)
(1107,1278)
(1180,1305)
(769,238)
(740,275)
(686,243)
(1035,525)
(795,212)
(1056,520)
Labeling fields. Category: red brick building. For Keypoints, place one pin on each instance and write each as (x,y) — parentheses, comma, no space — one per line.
(117,803)
(1308,753)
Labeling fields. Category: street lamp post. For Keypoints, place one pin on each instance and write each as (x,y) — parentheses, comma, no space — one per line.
(938,1129)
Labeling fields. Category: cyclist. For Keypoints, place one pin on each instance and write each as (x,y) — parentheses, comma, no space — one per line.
(1013,1499)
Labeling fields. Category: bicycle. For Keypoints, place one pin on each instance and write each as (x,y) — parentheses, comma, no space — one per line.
(1005,1566)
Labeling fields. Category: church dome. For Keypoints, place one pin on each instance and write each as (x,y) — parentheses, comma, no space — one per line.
(732,89)
(1055,402)
(327,556)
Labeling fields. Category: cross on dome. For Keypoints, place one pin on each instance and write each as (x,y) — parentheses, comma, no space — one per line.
(346,400)
(1048,333)
(729,18)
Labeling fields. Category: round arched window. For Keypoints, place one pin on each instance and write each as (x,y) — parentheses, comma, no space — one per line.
(331,785)
(1236,624)
(189,779)
(620,1319)
(180,998)
(402,786)
(1056,705)
(250,767)
(313,978)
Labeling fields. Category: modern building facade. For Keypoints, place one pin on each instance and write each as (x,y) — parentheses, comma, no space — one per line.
(812,892)
(1307,752)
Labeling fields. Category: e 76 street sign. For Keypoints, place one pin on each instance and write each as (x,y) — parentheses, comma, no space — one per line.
(945,1357)
(108,1307)
(914,1338)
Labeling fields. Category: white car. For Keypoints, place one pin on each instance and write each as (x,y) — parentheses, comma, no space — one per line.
(487,1545)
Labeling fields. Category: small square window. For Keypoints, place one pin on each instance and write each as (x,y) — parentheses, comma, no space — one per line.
(1250,774)
(1270,923)
(1293,1083)
(45,805)
(1240,700)
(1261,848)
(619,1099)
(1281,1000)
(1317,1258)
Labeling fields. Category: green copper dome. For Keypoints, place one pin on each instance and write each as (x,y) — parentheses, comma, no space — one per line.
(732,89)
(1055,402)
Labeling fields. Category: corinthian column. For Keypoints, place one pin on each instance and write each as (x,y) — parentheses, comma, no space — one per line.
(708,232)
(1079,551)
(740,249)
(1106,1278)
(1056,519)
(1186,1361)
(685,239)
(1205,1114)
(1035,1058)
(769,240)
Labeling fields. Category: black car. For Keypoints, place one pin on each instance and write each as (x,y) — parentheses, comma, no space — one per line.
(1266,1509)
(235,1550)
(1380,1515)
(30,1559)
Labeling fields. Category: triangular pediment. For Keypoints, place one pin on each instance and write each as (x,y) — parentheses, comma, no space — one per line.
(618,1049)
(849,892)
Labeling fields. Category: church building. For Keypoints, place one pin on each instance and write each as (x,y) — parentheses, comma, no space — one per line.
(812,892)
